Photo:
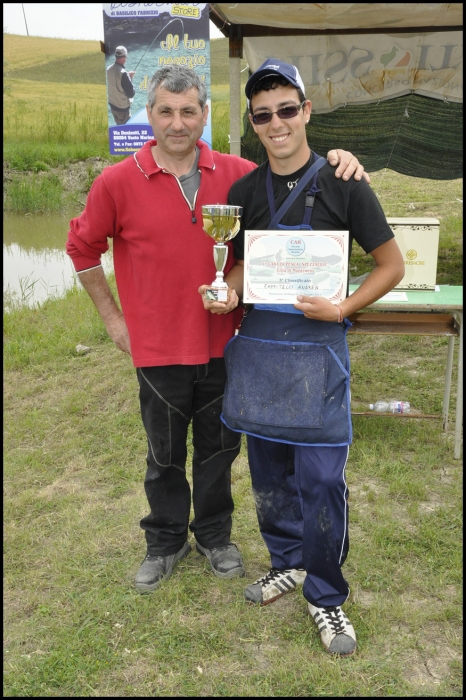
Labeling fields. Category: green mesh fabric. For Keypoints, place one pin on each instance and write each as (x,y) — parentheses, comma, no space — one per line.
(413,135)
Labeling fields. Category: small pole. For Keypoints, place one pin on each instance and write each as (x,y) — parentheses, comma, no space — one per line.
(27,32)
(235,56)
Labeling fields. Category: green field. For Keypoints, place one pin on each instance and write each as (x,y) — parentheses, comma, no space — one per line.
(74,464)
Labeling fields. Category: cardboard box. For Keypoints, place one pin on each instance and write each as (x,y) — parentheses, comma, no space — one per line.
(418,239)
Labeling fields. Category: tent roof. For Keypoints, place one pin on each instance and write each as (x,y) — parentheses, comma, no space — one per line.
(382,82)
(387,17)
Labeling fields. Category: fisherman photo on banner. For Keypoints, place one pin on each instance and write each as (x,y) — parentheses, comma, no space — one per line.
(120,87)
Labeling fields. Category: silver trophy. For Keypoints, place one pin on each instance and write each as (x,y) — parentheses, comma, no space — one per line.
(221,222)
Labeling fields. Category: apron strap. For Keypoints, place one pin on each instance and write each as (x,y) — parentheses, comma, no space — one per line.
(310,197)
(294,194)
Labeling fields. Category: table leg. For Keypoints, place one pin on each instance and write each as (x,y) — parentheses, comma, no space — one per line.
(459,394)
(446,391)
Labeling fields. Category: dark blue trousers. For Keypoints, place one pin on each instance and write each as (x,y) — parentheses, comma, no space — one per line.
(301,500)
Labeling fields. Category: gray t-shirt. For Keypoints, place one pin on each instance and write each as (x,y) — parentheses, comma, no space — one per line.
(192,180)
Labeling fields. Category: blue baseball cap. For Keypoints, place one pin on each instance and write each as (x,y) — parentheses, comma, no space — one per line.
(273,66)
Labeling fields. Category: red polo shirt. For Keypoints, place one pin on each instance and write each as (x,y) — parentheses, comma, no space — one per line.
(160,256)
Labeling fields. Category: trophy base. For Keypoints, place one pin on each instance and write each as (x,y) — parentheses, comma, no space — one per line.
(216,294)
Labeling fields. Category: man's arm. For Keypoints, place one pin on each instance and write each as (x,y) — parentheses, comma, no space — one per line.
(96,285)
(348,164)
(127,85)
(389,270)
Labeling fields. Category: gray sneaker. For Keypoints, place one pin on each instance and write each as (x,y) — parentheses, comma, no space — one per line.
(225,561)
(156,569)
(273,585)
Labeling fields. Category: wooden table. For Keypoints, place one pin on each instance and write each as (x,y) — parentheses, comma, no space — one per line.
(424,313)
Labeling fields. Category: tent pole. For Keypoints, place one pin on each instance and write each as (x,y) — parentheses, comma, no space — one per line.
(235,56)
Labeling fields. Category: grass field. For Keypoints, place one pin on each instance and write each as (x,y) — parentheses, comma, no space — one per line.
(74,464)
(32,51)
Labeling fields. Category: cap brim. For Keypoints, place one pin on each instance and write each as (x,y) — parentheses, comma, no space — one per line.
(258,76)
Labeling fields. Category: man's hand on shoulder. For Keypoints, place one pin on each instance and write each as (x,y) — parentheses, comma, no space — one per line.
(348,165)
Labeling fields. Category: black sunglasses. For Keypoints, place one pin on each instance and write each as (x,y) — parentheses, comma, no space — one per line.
(283,113)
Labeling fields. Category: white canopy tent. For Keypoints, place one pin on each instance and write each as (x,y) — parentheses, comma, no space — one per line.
(347,53)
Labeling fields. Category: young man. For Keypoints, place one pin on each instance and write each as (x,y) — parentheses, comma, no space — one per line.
(298,439)
(150,205)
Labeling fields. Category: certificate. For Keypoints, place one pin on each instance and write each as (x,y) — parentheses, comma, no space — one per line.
(280,265)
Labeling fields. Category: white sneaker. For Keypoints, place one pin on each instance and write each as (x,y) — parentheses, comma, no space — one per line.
(336,631)
(273,585)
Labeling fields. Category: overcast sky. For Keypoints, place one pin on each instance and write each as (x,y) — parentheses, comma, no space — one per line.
(61,20)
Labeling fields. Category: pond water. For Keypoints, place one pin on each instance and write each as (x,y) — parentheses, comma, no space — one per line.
(35,264)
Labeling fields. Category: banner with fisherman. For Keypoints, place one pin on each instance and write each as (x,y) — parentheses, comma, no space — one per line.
(139,39)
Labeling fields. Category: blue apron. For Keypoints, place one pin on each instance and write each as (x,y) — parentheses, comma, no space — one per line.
(287,375)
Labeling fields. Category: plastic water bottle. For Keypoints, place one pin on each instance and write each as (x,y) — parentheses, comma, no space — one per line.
(380,406)
(399,407)
(390,406)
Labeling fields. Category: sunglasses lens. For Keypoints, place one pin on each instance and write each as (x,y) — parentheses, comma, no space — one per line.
(287,112)
(283,113)
(262,118)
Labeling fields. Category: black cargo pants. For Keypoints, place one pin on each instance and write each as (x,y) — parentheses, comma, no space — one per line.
(170,397)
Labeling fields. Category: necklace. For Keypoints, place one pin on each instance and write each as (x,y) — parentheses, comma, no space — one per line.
(292,183)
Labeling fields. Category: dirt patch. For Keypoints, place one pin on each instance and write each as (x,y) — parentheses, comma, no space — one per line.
(62,487)
(432,664)
(362,495)
(447,474)
(222,668)
(364,598)
(431,505)
(76,177)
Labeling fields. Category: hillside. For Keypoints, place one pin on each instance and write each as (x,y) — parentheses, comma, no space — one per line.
(25,51)
(68,61)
